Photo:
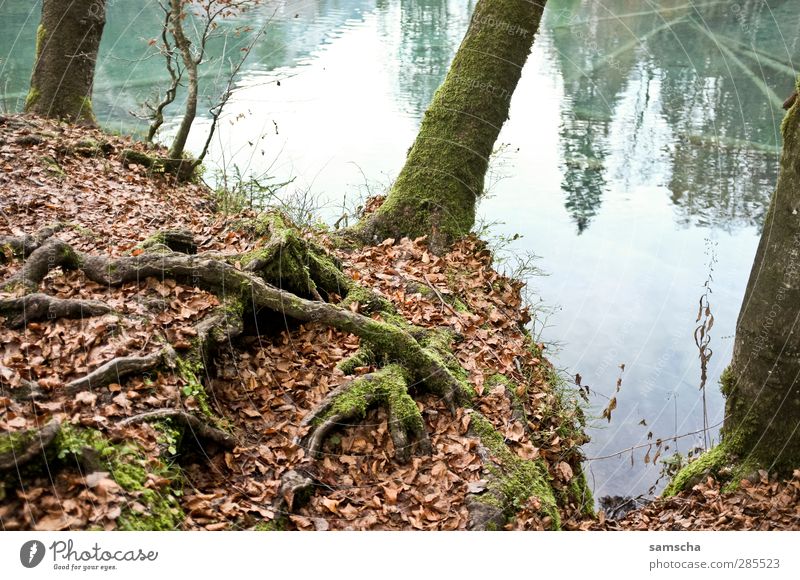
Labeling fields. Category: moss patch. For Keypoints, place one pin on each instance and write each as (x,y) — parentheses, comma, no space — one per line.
(192,387)
(34,94)
(362,358)
(514,480)
(131,469)
(386,386)
(717,462)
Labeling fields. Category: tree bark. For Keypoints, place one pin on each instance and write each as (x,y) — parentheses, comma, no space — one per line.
(67,42)
(436,191)
(190,64)
(762,423)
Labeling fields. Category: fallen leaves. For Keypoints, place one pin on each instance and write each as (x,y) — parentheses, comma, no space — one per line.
(269,380)
(766,504)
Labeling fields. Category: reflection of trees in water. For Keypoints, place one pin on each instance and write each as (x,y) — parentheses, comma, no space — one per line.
(429,34)
(584,181)
(725,187)
(722,117)
(593,77)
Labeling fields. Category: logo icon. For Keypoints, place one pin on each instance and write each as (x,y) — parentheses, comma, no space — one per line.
(31,553)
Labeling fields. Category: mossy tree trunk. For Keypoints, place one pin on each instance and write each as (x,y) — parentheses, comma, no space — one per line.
(436,191)
(67,42)
(762,423)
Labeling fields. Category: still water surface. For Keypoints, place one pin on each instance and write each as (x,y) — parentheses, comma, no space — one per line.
(642,144)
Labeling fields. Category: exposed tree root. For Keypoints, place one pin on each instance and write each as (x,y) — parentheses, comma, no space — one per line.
(37,306)
(387,387)
(116,369)
(22,448)
(181,241)
(296,487)
(290,262)
(23,246)
(407,357)
(198,428)
(221,277)
(20,389)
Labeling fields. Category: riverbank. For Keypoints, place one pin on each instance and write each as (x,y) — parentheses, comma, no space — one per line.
(509,459)
(519,443)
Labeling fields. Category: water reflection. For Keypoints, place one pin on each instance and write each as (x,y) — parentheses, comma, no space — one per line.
(429,34)
(717,93)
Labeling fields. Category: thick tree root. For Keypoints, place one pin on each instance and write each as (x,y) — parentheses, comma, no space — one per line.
(33,307)
(388,340)
(20,247)
(181,241)
(19,449)
(296,487)
(290,262)
(196,426)
(387,387)
(248,283)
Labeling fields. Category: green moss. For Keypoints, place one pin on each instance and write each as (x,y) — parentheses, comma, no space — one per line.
(709,463)
(131,469)
(437,344)
(514,480)
(34,94)
(388,386)
(143,159)
(578,491)
(84,231)
(187,370)
(790,117)
(41,35)
(277,525)
(363,357)
(14,442)
(53,167)
(85,110)
(368,300)
(726,382)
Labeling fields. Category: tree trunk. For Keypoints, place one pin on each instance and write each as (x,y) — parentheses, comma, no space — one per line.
(436,191)
(190,64)
(66,52)
(762,423)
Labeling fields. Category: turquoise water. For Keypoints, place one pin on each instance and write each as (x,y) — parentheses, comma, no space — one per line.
(643,137)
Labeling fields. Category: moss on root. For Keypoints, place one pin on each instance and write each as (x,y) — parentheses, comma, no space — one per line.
(388,387)
(578,492)
(192,387)
(722,462)
(131,469)
(287,260)
(15,442)
(514,480)
(367,300)
(34,94)
(438,345)
(709,463)
(362,358)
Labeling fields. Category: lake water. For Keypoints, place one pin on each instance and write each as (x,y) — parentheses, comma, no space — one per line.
(642,142)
